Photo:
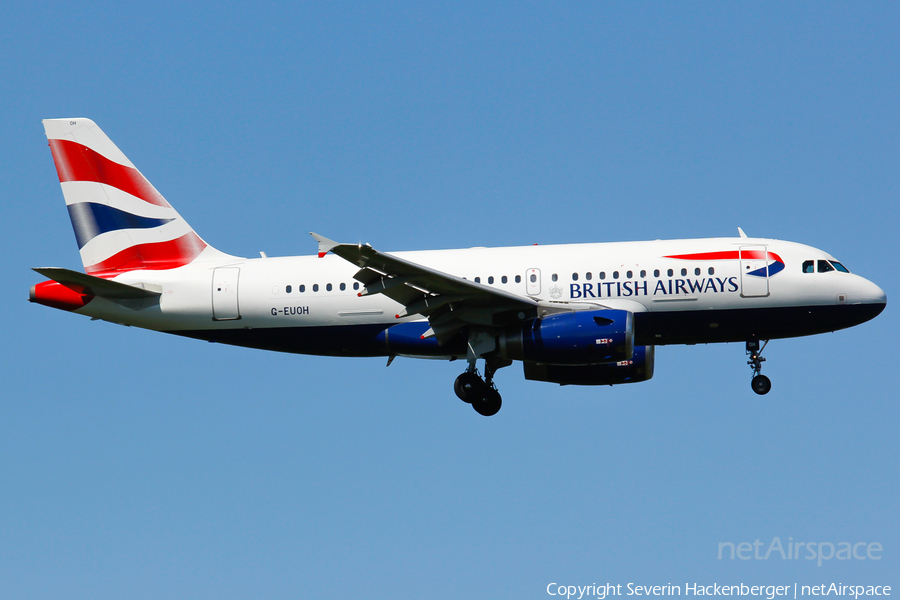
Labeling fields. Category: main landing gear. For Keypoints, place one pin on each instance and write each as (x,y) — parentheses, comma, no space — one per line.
(478,392)
(760,383)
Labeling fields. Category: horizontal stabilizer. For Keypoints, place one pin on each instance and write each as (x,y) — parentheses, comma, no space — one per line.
(95,286)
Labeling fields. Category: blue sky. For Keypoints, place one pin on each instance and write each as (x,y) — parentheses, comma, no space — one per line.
(138,465)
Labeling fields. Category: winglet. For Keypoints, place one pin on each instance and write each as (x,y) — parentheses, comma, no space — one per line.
(325,245)
(741,232)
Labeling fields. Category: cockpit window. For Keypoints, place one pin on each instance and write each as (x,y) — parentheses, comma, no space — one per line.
(839,266)
(825,266)
(809,266)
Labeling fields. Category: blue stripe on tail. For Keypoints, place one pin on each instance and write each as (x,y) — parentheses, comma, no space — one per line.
(90,220)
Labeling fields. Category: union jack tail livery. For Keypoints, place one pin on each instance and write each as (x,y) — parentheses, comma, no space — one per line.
(121,222)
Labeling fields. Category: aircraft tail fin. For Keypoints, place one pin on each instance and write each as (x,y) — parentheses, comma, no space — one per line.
(121,222)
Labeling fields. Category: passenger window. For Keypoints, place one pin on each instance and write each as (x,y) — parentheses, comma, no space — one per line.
(809,266)
(287,289)
(491,279)
(839,266)
(629,275)
(478,280)
(615,274)
(315,287)
(343,286)
(574,276)
(825,266)
(588,275)
(602,274)
(302,288)
(670,272)
(712,271)
(697,271)
(683,272)
(503,279)
(328,287)
(518,279)
(533,278)
(643,273)
(656,272)
(356,286)
(554,277)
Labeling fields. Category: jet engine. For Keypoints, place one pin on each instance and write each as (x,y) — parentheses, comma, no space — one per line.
(573,338)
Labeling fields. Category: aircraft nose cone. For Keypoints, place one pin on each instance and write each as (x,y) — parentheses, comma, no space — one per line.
(873,298)
(873,294)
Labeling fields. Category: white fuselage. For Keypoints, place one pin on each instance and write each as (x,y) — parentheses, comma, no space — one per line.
(310,292)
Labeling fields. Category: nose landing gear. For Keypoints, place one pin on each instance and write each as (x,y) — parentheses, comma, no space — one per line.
(760,383)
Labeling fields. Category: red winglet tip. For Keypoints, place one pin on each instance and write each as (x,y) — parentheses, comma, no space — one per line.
(421,337)
(322,254)
(396,316)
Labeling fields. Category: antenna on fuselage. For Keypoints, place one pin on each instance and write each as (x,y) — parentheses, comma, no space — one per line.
(741,232)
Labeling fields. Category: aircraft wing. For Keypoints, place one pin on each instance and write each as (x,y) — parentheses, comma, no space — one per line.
(447,301)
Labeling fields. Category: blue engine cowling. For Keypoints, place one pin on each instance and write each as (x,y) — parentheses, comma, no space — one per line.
(639,368)
(572,338)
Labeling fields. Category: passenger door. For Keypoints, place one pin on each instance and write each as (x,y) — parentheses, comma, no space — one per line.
(225,294)
(754,271)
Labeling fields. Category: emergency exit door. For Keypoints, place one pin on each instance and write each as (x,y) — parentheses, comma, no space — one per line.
(533,282)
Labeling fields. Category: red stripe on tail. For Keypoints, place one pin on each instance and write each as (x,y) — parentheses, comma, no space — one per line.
(75,162)
(156,256)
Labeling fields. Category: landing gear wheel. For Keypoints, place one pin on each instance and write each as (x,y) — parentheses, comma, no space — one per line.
(488,402)
(761,384)
(467,386)
(480,393)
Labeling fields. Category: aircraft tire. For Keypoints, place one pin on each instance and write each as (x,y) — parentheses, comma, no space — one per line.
(761,385)
(467,386)
(488,403)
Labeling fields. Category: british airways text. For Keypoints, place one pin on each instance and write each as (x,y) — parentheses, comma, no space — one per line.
(663,287)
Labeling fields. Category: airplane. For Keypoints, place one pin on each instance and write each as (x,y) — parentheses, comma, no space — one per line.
(572,314)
